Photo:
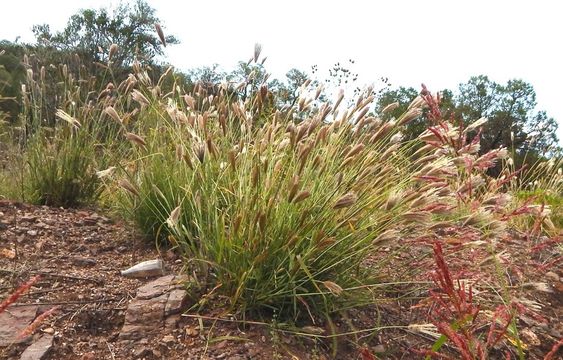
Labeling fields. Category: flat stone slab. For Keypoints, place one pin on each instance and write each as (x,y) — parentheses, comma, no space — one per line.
(13,321)
(154,308)
(39,349)
(155,288)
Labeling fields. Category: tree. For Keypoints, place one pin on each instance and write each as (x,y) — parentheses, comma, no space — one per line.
(12,75)
(513,121)
(250,76)
(90,33)
(287,93)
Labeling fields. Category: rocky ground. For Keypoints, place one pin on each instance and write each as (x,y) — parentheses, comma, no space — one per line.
(101,314)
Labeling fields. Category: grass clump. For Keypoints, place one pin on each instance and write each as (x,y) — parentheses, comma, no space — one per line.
(66,136)
(278,215)
(62,168)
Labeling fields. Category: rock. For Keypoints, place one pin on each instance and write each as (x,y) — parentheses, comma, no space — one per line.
(88,356)
(168,339)
(146,312)
(145,269)
(157,354)
(530,337)
(193,332)
(175,302)
(32,232)
(155,307)
(90,220)
(171,322)
(135,332)
(49,331)
(83,261)
(13,321)
(379,349)
(223,344)
(141,352)
(39,349)
(155,288)
(29,218)
(171,255)
(42,225)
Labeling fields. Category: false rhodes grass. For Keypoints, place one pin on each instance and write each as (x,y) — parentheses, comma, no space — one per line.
(65,135)
(279,214)
(276,215)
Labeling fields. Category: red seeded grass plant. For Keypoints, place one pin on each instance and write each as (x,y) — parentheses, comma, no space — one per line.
(455,315)
(30,329)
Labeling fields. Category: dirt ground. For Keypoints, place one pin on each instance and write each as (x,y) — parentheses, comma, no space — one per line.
(80,253)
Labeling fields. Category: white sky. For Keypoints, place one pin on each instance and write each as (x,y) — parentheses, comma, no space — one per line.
(440,43)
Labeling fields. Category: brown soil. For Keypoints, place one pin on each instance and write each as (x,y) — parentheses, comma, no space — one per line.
(79,255)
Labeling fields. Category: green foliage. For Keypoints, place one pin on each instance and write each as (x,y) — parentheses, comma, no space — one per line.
(12,74)
(512,122)
(540,188)
(66,136)
(92,32)
(62,169)
(510,108)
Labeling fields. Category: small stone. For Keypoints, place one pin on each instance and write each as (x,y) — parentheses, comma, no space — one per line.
(222,344)
(39,349)
(42,225)
(13,321)
(192,332)
(171,255)
(90,221)
(171,322)
(168,339)
(378,349)
(83,261)
(28,218)
(157,354)
(141,352)
(49,330)
(32,232)
(149,312)
(530,337)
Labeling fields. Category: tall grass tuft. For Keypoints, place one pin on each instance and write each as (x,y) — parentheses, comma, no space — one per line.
(272,213)
(67,137)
